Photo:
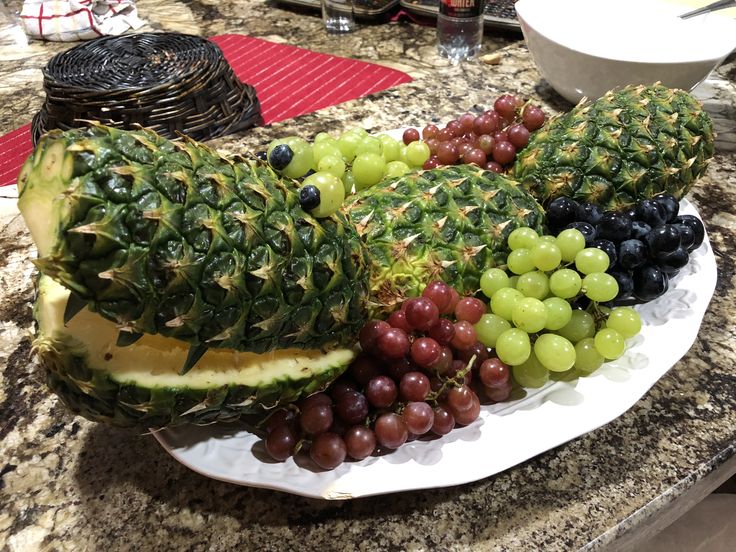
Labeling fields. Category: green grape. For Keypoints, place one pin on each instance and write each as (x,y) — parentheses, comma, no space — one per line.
(514,280)
(347,143)
(523,238)
(520,261)
(360,131)
(570,242)
(369,144)
(417,153)
(580,326)
(587,357)
(600,287)
(529,314)
(503,302)
(591,259)
(546,256)
(348,182)
(513,346)
(323,137)
(565,283)
(395,168)
(625,321)
(489,327)
(402,155)
(492,280)
(530,373)
(559,313)
(331,193)
(301,162)
(324,148)
(389,147)
(367,170)
(534,284)
(332,164)
(554,352)
(609,343)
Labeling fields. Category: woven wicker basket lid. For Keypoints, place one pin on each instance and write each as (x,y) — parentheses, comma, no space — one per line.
(172,83)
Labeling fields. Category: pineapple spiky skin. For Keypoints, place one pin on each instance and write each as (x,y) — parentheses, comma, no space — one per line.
(449,223)
(173,239)
(629,145)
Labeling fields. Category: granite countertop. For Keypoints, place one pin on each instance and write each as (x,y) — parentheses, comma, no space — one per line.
(68,484)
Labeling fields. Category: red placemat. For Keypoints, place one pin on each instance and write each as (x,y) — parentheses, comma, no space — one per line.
(289,81)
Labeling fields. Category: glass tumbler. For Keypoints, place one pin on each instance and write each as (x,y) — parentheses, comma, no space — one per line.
(338,15)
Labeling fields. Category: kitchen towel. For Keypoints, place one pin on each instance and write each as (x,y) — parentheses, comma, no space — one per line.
(289,82)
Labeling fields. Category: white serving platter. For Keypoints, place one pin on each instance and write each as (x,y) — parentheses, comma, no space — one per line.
(504,435)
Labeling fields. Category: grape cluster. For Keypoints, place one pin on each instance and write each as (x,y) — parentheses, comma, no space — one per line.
(419,373)
(335,167)
(646,245)
(532,325)
(490,140)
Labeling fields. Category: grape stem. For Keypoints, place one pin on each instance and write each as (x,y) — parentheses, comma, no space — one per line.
(458,380)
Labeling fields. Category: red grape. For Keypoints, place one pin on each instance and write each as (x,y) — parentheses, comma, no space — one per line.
(443,362)
(280,442)
(458,366)
(424,351)
(445,135)
(316,419)
(486,143)
(533,117)
(494,373)
(398,367)
(478,350)
(470,309)
(370,332)
(465,335)
(414,386)
(315,399)
(453,301)
(493,166)
(460,399)
(432,144)
(421,313)
(328,450)
(341,386)
(439,293)
(443,331)
(391,431)
(518,135)
(505,106)
(282,416)
(394,343)
(468,416)
(470,137)
(484,124)
(363,368)
(500,136)
(475,156)
(397,319)
(499,393)
(418,417)
(447,153)
(381,391)
(360,442)
(504,152)
(352,407)
(429,132)
(410,135)
(455,128)
(444,421)
(494,117)
(432,163)
(466,122)
(463,148)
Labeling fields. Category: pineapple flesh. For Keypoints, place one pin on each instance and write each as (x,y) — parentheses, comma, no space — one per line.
(629,145)
(172,239)
(449,223)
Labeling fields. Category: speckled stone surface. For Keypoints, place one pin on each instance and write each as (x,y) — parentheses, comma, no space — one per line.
(67,484)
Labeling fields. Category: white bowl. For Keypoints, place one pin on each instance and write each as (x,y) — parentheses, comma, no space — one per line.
(584,48)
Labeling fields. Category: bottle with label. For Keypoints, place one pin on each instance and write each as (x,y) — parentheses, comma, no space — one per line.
(459,29)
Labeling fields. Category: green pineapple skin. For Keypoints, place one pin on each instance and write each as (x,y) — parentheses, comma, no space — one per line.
(449,223)
(629,145)
(171,238)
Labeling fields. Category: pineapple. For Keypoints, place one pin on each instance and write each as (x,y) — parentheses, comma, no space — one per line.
(172,239)
(449,223)
(629,145)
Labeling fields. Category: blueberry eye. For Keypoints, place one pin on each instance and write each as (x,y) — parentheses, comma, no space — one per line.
(280,157)
(309,197)
(262,155)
